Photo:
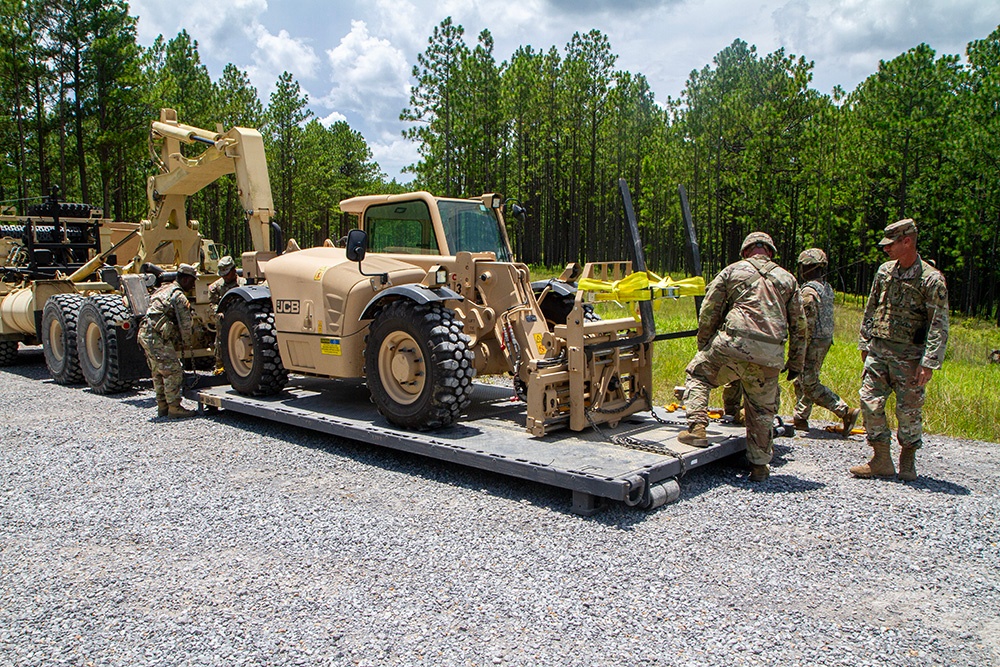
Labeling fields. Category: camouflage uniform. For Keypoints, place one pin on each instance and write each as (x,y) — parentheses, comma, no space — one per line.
(905,326)
(817,302)
(216,291)
(749,310)
(166,327)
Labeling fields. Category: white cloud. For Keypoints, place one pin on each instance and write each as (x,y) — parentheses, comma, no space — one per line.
(403,23)
(332,118)
(393,156)
(221,27)
(849,37)
(284,53)
(370,77)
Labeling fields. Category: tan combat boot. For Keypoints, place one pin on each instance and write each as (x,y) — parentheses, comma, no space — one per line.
(694,436)
(800,424)
(879,466)
(759,473)
(850,419)
(178,411)
(907,463)
(161,407)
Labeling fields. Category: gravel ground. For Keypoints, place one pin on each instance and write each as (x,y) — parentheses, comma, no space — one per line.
(227,540)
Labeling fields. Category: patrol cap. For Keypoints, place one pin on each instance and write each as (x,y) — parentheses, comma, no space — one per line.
(757,237)
(226,264)
(898,230)
(812,256)
(186,270)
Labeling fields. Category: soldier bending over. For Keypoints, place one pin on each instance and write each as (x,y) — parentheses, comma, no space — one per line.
(749,310)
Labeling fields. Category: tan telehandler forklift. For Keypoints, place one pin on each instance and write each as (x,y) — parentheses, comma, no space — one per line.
(424,296)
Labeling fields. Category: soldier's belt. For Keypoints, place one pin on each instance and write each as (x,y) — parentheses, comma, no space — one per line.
(753,335)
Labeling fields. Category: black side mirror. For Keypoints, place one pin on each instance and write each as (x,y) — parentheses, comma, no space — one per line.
(357,245)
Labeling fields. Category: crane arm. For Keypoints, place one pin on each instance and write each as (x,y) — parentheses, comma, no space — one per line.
(239,151)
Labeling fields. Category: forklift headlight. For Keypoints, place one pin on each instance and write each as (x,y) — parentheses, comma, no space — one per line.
(441,276)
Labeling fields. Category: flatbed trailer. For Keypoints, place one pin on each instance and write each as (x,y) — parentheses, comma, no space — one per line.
(638,462)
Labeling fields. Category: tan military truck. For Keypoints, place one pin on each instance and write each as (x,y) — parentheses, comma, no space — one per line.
(53,252)
(85,312)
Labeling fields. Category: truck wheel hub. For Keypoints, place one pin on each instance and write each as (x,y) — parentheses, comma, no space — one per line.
(95,346)
(242,349)
(405,365)
(401,365)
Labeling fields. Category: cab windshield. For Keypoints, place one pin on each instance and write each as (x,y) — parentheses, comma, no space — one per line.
(470,226)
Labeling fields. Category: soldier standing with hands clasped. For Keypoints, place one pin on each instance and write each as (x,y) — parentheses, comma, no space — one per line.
(817,302)
(749,310)
(903,337)
(167,328)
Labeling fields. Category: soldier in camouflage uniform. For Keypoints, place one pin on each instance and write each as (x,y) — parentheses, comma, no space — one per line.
(817,302)
(749,310)
(228,279)
(903,337)
(167,328)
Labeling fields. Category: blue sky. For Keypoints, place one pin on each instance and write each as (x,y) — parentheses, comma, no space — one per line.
(354,59)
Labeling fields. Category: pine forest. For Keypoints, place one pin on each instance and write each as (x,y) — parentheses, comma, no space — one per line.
(753,143)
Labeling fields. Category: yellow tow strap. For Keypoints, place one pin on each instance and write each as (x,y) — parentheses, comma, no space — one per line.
(642,287)
(857,430)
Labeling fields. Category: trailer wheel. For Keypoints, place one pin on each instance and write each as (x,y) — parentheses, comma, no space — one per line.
(97,343)
(59,318)
(8,352)
(419,365)
(250,349)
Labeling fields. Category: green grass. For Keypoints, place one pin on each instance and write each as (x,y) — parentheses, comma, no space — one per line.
(963,398)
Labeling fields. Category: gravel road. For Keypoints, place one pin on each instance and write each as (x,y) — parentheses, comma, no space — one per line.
(227,540)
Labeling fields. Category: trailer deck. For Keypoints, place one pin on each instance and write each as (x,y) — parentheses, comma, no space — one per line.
(638,462)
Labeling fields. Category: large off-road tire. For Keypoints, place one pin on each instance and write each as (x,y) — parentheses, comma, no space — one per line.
(250,349)
(97,343)
(8,352)
(419,365)
(58,334)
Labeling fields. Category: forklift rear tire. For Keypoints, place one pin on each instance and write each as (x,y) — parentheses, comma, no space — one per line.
(97,343)
(59,319)
(557,307)
(250,349)
(419,365)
